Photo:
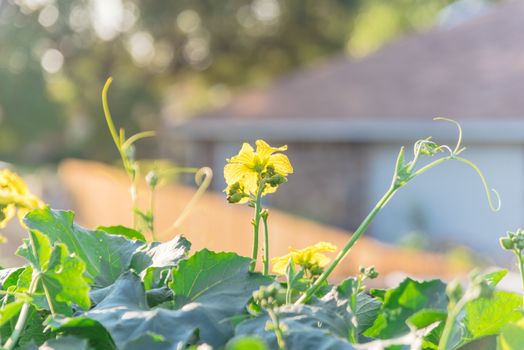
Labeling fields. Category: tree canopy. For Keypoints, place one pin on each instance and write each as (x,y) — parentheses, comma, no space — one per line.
(170,59)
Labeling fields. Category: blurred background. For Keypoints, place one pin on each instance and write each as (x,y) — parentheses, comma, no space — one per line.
(344,83)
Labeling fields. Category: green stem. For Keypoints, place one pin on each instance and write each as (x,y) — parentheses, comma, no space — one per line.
(22,318)
(266,245)
(49,300)
(344,252)
(277,330)
(152,214)
(521,269)
(450,321)
(353,336)
(256,225)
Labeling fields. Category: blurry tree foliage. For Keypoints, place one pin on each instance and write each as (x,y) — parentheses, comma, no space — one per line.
(170,59)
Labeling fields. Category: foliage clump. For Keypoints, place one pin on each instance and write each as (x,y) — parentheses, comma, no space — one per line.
(110,288)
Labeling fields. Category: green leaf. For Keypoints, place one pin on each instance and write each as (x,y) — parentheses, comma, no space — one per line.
(414,339)
(33,332)
(301,332)
(9,311)
(222,285)
(106,256)
(125,314)
(485,317)
(336,306)
(84,328)
(402,302)
(160,254)
(61,274)
(426,317)
(493,278)
(66,343)
(209,277)
(246,343)
(8,277)
(511,336)
(123,231)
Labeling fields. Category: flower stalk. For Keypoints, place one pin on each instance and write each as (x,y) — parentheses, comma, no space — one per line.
(250,175)
(265,215)
(256,226)
(22,318)
(514,242)
(477,288)
(404,172)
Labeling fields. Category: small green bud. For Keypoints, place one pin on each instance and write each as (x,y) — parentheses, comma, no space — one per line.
(152,179)
(315,270)
(276,180)
(235,193)
(368,272)
(506,243)
(130,152)
(235,198)
(429,148)
(454,291)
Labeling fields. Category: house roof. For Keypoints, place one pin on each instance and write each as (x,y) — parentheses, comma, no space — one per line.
(472,71)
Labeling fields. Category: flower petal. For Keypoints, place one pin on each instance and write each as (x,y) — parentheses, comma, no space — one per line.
(234,172)
(250,182)
(264,150)
(325,247)
(280,264)
(320,260)
(6,214)
(281,164)
(244,156)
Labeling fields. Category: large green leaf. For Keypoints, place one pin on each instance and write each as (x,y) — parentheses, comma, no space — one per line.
(204,314)
(34,331)
(158,255)
(487,316)
(413,340)
(9,311)
(123,231)
(209,277)
(65,343)
(301,332)
(511,336)
(402,302)
(61,274)
(246,343)
(8,277)
(336,303)
(91,330)
(106,256)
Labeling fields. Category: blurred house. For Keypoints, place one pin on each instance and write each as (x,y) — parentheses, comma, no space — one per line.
(345,120)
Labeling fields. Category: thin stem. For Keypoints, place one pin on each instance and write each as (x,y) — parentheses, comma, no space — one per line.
(343,253)
(277,330)
(203,179)
(134,202)
(450,321)
(49,300)
(152,213)
(266,245)
(521,269)
(20,323)
(477,170)
(107,113)
(256,224)
(353,336)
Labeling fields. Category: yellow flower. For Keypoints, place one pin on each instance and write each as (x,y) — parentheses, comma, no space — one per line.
(14,194)
(245,169)
(307,258)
